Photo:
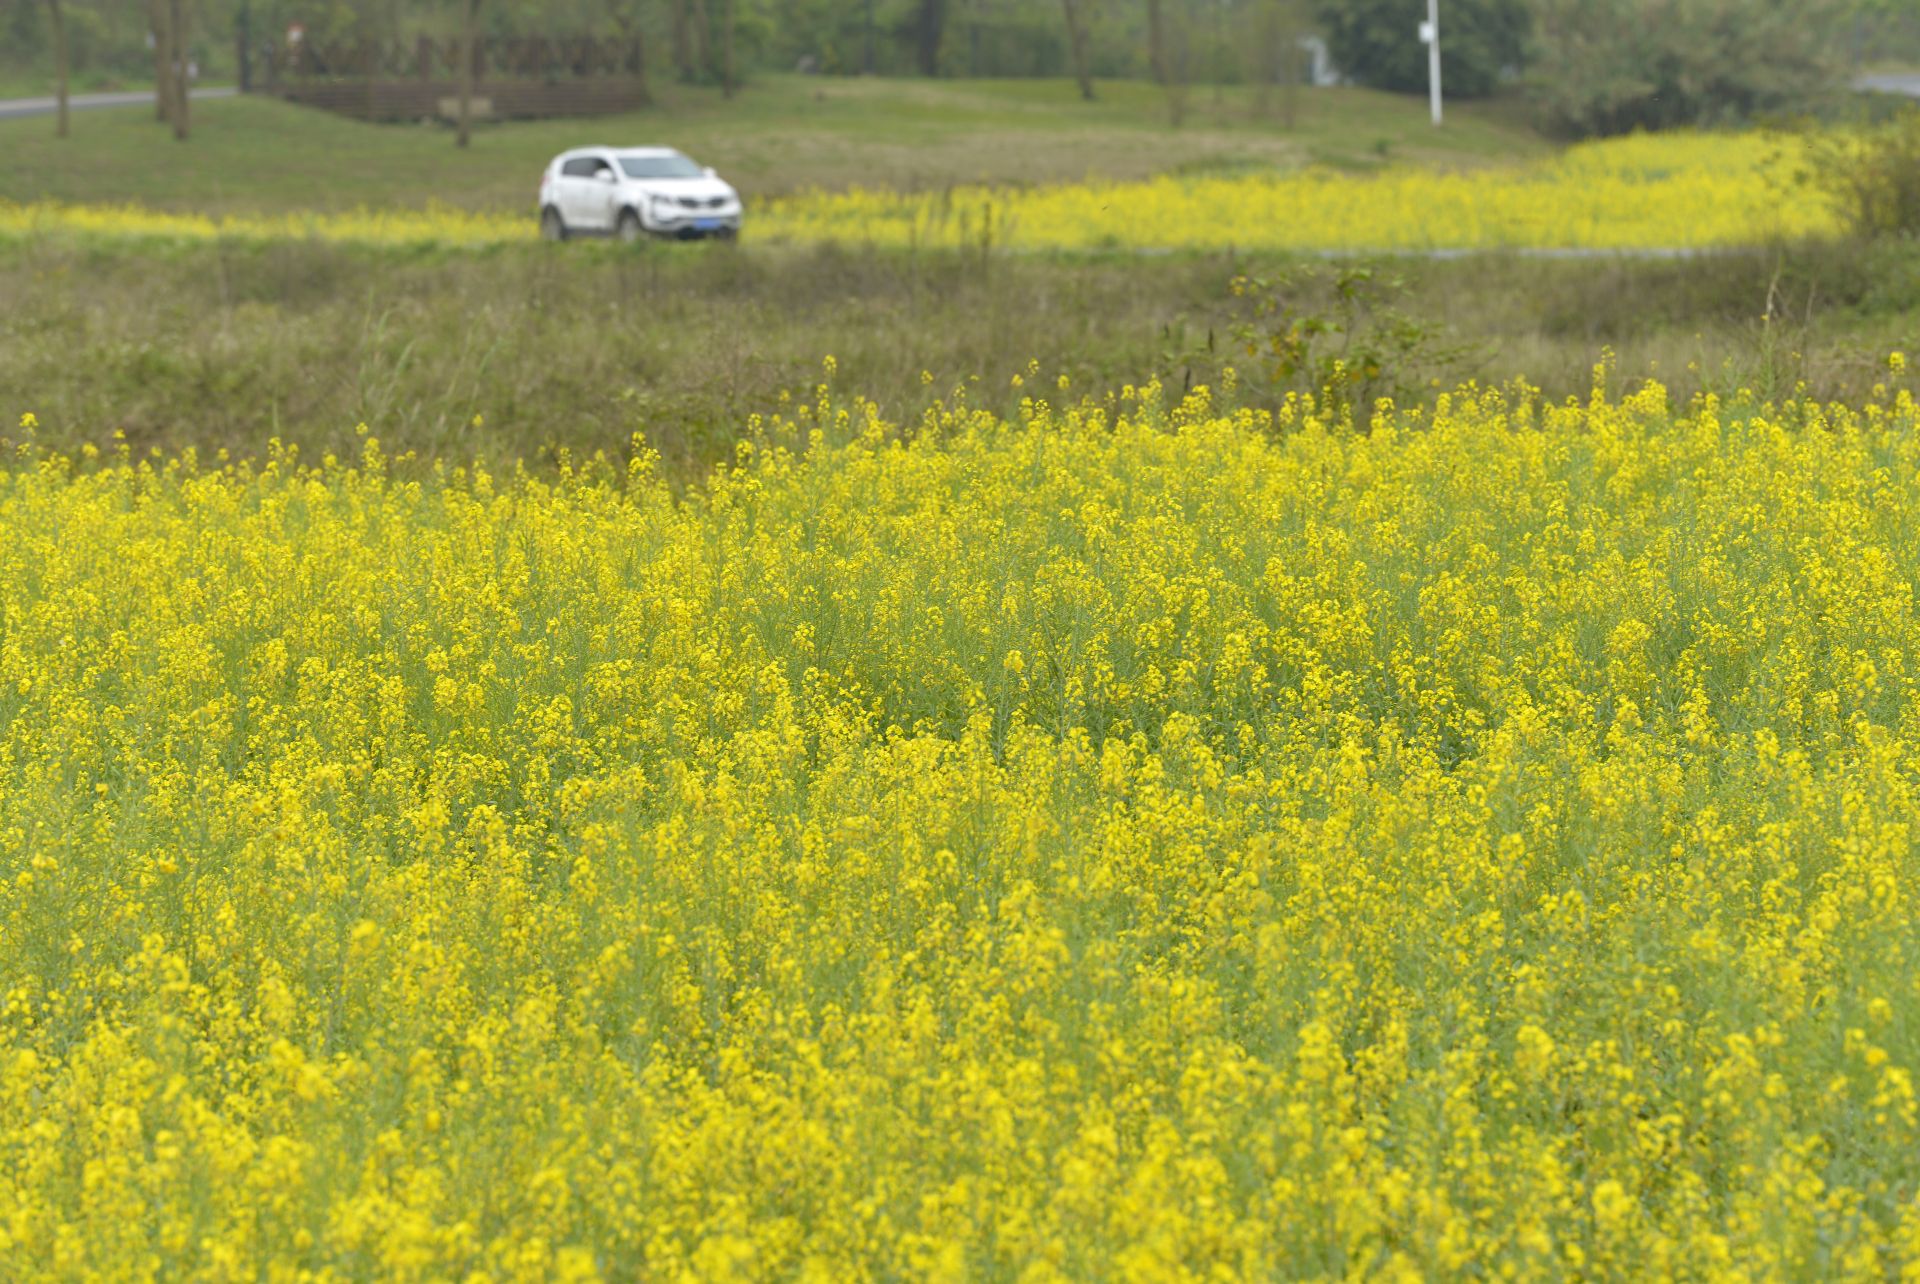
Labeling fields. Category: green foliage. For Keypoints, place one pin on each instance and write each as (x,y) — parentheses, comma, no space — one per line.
(1377,42)
(1336,333)
(106,39)
(1613,66)
(1874,177)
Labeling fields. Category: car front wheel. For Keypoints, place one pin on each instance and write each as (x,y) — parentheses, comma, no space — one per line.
(552,226)
(629,229)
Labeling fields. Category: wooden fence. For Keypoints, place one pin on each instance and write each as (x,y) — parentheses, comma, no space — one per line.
(534,76)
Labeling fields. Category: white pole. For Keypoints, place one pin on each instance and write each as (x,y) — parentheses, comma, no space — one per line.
(1431,34)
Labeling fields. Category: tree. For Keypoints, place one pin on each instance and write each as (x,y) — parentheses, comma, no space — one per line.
(162,60)
(682,42)
(1277,58)
(702,40)
(1167,58)
(1611,66)
(60,69)
(182,68)
(1377,42)
(1157,41)
(469,59)
(1077,47)
(1168,48)
(243,45)
(627,19)
(171,64)
(929,31)
(1872,177)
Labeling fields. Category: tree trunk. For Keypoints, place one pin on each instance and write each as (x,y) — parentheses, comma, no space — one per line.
(1173,62)
(1077,48)
(469,23)
(1287,60)
(1261,73)
(682,42)
(1277,50)
(162,61)
(59,18)
(368,61)
(243,46)
(932,30)
(640,70)
(1216,54)
(177,13)
(1156,42)
(702,40)
(636,56)
(727,83)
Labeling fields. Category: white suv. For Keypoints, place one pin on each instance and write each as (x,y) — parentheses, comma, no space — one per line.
(630,192)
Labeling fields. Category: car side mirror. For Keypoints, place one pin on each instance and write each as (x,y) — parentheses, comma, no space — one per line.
(709,172)
(605,176)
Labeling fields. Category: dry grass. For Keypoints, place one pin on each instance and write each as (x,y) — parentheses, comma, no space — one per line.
(224,346)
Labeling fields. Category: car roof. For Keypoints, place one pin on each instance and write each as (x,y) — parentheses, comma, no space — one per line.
(601,149)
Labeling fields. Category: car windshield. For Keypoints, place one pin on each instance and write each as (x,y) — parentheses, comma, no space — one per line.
(672,165)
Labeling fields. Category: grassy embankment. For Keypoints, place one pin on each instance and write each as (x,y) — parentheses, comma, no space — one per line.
(782,134)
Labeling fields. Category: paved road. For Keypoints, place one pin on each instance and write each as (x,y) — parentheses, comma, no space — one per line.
(1898,82)
(10,107)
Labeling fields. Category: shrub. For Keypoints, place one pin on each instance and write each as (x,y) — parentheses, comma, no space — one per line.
(1873,178)
(1613,66)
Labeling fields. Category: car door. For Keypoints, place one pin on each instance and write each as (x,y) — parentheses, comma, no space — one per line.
(576,185)
(598,193)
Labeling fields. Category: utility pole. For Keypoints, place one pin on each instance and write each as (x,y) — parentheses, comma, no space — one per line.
(1430,37)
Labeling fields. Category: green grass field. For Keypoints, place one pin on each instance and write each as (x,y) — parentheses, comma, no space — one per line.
(781,134)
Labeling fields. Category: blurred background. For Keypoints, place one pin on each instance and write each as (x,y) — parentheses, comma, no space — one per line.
(1576,67)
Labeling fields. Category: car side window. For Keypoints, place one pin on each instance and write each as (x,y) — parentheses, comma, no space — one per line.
(582,167)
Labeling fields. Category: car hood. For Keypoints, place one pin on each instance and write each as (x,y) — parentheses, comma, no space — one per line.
(704,189)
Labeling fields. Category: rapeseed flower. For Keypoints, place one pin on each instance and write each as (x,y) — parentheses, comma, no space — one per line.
(1133,841)
(1681,191)
(1678,191)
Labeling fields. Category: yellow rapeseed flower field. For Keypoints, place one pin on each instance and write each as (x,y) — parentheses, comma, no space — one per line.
(440,225)
(1129,842)
(1668,191)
